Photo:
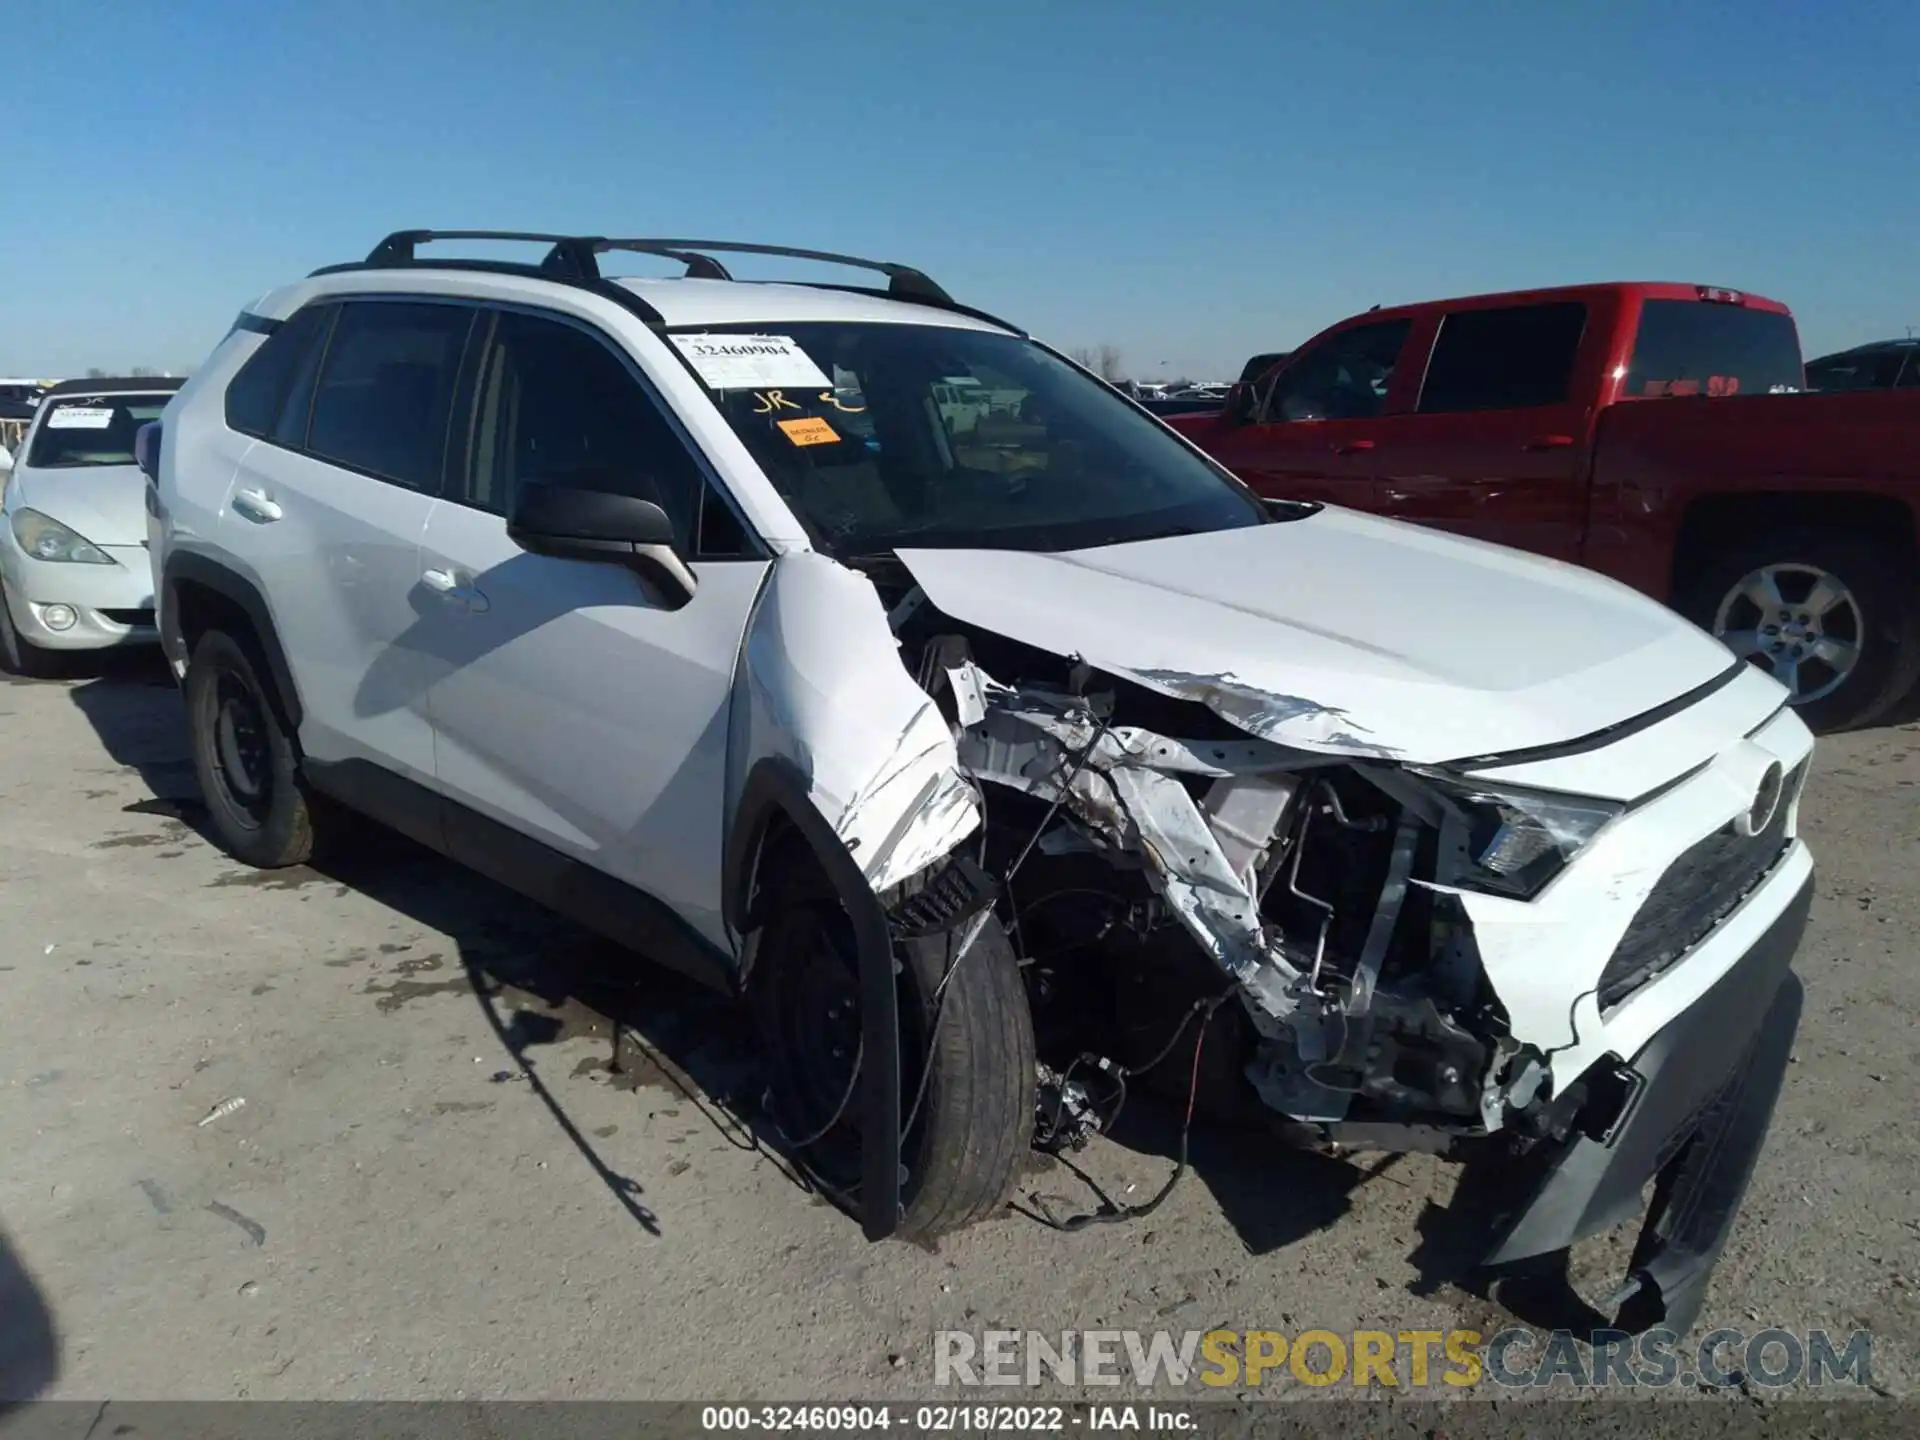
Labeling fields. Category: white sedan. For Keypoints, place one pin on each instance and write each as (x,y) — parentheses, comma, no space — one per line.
(73,561)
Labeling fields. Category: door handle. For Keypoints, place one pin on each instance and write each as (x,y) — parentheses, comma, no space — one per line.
(447,584)
(1352,447)
(1550,442)
(257,506)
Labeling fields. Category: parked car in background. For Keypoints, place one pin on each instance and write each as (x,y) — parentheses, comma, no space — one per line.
(1648,431)
(725,619)
(1881,365)
(73,561)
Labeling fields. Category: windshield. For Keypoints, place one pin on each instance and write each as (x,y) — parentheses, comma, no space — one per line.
(82,430)
(882,436)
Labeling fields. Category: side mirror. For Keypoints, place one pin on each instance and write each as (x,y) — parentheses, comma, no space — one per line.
(1241,403)
(146,450)
(596,525)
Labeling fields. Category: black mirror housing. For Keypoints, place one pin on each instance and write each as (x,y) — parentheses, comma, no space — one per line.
(604,526)
(146,450)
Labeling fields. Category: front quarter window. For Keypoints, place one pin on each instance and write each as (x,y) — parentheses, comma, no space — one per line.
(888,435)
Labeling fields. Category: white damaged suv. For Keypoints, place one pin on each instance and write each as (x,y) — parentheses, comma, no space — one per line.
(854,652)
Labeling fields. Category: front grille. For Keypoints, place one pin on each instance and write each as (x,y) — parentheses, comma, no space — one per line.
(1701,889)
(142,618)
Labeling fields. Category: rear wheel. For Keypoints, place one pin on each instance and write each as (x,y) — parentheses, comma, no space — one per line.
(966,1056)
(1833,617)
(20,655)
(246,761)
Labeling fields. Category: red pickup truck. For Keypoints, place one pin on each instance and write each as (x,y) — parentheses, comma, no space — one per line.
(1654,432)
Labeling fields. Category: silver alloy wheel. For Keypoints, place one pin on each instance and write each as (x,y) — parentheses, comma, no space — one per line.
(1797,620)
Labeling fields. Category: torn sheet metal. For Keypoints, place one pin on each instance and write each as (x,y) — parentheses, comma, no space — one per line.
(1120,781)
(820,683)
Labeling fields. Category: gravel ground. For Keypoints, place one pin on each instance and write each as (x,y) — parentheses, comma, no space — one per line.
(437,1187)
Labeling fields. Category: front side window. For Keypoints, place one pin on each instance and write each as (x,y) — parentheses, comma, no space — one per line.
(1344,377)
(554,404)
(1516,357)
(81,430)
(882,436)
(1699,347)
(386,389)
(1856,370)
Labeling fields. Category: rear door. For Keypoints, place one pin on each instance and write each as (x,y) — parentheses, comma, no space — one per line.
(1493,446)
(1319,418)
(569,705)
(329,508)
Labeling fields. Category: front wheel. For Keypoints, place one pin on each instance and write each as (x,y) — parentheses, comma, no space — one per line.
(1832,617)
(967,1063)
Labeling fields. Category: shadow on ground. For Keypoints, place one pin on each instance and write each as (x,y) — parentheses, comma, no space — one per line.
(29,1344)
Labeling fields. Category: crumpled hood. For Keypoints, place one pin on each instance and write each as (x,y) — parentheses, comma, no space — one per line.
(105,503)
(1344,633)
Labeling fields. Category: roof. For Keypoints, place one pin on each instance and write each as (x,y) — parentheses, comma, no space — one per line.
(1641,289)
(1872,347)
(116,385)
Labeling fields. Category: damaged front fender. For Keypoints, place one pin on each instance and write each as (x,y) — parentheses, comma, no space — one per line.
(820,686)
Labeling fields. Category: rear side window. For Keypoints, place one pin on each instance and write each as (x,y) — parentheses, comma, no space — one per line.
(1698,347)
(254,395)
(1910,377)
(1517,357)
(386,389)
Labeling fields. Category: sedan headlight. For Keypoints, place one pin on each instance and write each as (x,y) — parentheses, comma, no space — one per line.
(45,538)
(1516,841)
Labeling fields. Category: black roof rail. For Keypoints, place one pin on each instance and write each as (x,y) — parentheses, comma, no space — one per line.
(903,281)
(574,260)
(569,261)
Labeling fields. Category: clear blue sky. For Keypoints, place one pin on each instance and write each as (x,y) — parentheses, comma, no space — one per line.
(1191,181)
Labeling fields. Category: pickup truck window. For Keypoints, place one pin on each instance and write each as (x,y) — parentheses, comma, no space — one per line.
(1345,377)
(1697,347)
(1517,357)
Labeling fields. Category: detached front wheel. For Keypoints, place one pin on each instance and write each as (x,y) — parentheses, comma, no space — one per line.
(966,1056)
(1834,618)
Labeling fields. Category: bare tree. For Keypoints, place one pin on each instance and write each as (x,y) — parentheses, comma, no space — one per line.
(1084,356)
(143,370)
(1109,367)
(94,372)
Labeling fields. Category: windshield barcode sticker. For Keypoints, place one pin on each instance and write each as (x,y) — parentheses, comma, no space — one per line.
(750,362)
(74,417)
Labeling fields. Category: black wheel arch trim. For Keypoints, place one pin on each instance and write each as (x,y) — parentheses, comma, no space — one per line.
(775,788)
(224,581)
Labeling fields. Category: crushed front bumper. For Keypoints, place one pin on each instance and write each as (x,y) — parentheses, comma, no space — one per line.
(1699,1098)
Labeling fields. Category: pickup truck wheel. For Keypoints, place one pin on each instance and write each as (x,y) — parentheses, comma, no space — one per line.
(246,762)
(967,1064)
(1832,617)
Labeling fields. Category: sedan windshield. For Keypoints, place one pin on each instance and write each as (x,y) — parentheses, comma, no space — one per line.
(91,429)
(882,436)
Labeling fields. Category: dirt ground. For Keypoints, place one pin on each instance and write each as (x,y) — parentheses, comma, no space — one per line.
(437,1187)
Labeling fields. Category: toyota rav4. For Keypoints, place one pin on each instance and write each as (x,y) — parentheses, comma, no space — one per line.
(862,656)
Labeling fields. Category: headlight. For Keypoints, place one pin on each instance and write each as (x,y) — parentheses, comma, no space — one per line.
(45,538)
(1517,841)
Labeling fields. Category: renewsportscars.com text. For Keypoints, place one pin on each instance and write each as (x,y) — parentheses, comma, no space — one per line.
(1407,1359)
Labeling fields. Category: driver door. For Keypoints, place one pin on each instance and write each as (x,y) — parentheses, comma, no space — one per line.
(1317,421)
(569,704)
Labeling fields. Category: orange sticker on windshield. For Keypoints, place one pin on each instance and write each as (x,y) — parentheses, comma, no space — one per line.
(811,431)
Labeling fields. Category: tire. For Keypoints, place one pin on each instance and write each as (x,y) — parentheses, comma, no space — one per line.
(20,655)
(247,763)
(1880,615)
(974,1123)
